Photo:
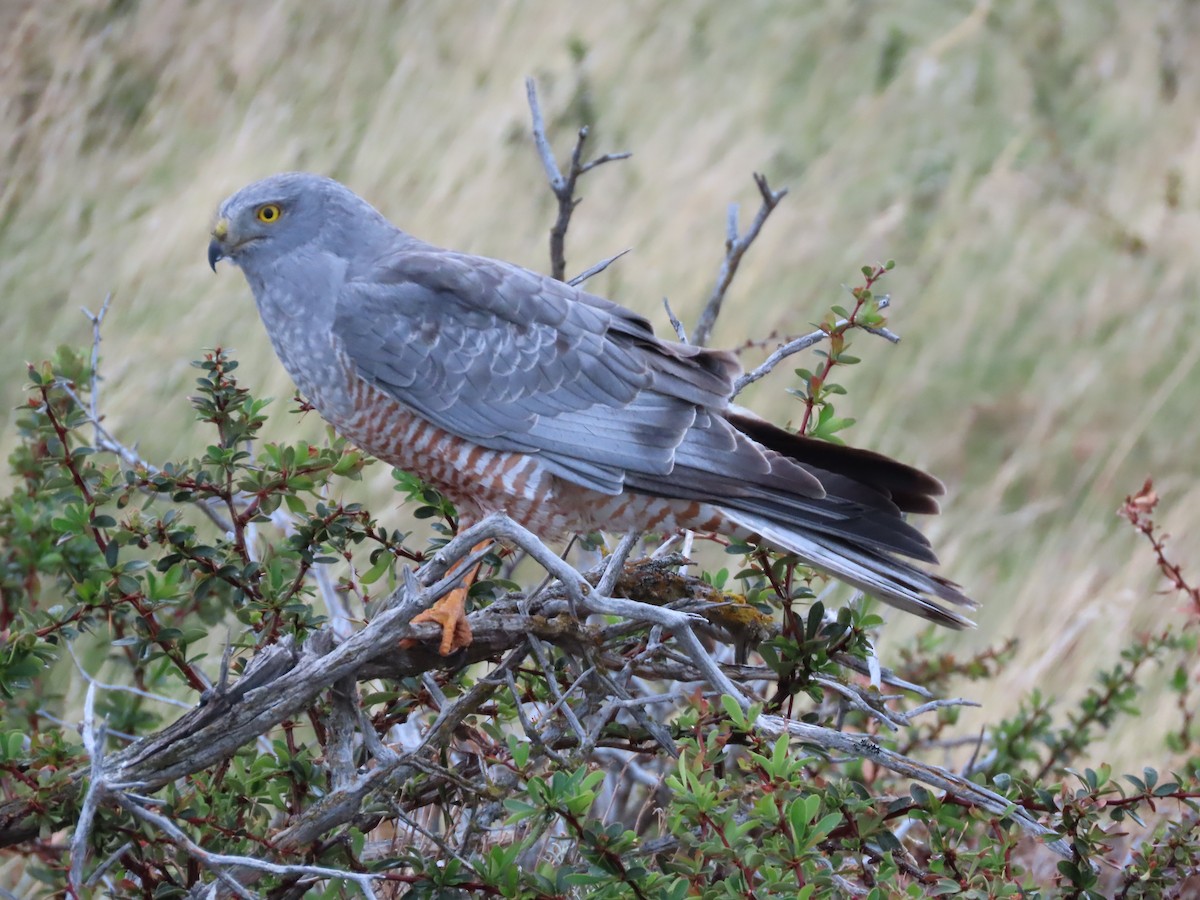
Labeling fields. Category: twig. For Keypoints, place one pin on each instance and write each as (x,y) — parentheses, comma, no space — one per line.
(615,563)
(858,701)
(597,268)
(342,721)
(628,763)
(803,343)
(886,676)
(1138,509)
(125,688)
(433,839)
(375,747)
(668,697)
(65,723)
(217,862)
(735,248)
(439,697)
(339,615)
(93,744)
(562,186)
(560,697)
(531,730)
(108,863)
(911,714)
(845,885)
(654,728)
(680,331)
(96,319)
(862,747)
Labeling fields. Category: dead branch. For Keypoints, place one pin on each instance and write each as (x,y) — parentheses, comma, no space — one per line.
(563,186)
(597,268)
(862,747)
(735,248)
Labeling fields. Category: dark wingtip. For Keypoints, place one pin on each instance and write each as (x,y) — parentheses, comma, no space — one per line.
(909,488)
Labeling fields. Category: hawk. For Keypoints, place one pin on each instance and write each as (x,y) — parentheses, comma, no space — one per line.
(512,391)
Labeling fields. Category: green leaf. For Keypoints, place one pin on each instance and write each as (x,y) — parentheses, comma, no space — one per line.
(825,827)
(373,574)
(735,712)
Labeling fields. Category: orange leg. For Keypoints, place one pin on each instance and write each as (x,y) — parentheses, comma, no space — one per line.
(451,611)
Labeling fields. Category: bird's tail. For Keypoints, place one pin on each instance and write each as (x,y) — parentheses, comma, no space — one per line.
(857,531)
(878,573)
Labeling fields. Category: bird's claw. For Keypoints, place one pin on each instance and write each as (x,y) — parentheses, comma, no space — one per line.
(451,613)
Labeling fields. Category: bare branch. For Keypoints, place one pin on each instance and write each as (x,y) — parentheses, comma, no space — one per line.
(911,714)
(531,731)
(563,186)
(97,319)
(597,268)
(108,863)
(339,807)
(93,743)
(859,700)
(803,343)
(735,248)
(606,158)
(680,331)
(560,698)
(621,697)
(616,562)
(886,676)
(217,862)
(342,723)
(94,682)
(541,141)
(862,747)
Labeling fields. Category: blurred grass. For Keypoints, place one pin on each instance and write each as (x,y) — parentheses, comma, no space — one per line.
(1034,167)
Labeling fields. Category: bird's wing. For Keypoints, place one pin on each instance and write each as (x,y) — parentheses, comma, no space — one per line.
(513,360)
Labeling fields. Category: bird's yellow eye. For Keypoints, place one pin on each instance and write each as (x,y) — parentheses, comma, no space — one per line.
(269,212)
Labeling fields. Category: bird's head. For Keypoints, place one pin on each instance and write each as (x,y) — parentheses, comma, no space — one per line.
(271,218)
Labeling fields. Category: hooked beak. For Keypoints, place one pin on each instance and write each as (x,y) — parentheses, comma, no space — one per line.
(216,247)
(216,253)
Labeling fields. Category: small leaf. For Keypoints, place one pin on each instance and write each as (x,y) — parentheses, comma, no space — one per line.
(825,827)
(735,712)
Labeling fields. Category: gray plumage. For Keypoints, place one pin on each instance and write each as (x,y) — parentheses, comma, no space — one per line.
(512,361)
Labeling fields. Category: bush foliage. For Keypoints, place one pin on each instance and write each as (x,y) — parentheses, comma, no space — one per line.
(569,776)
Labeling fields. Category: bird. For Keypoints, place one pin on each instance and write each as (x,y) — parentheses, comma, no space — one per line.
(510,391)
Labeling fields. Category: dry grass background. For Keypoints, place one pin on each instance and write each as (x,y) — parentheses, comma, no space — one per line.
(1034,168)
